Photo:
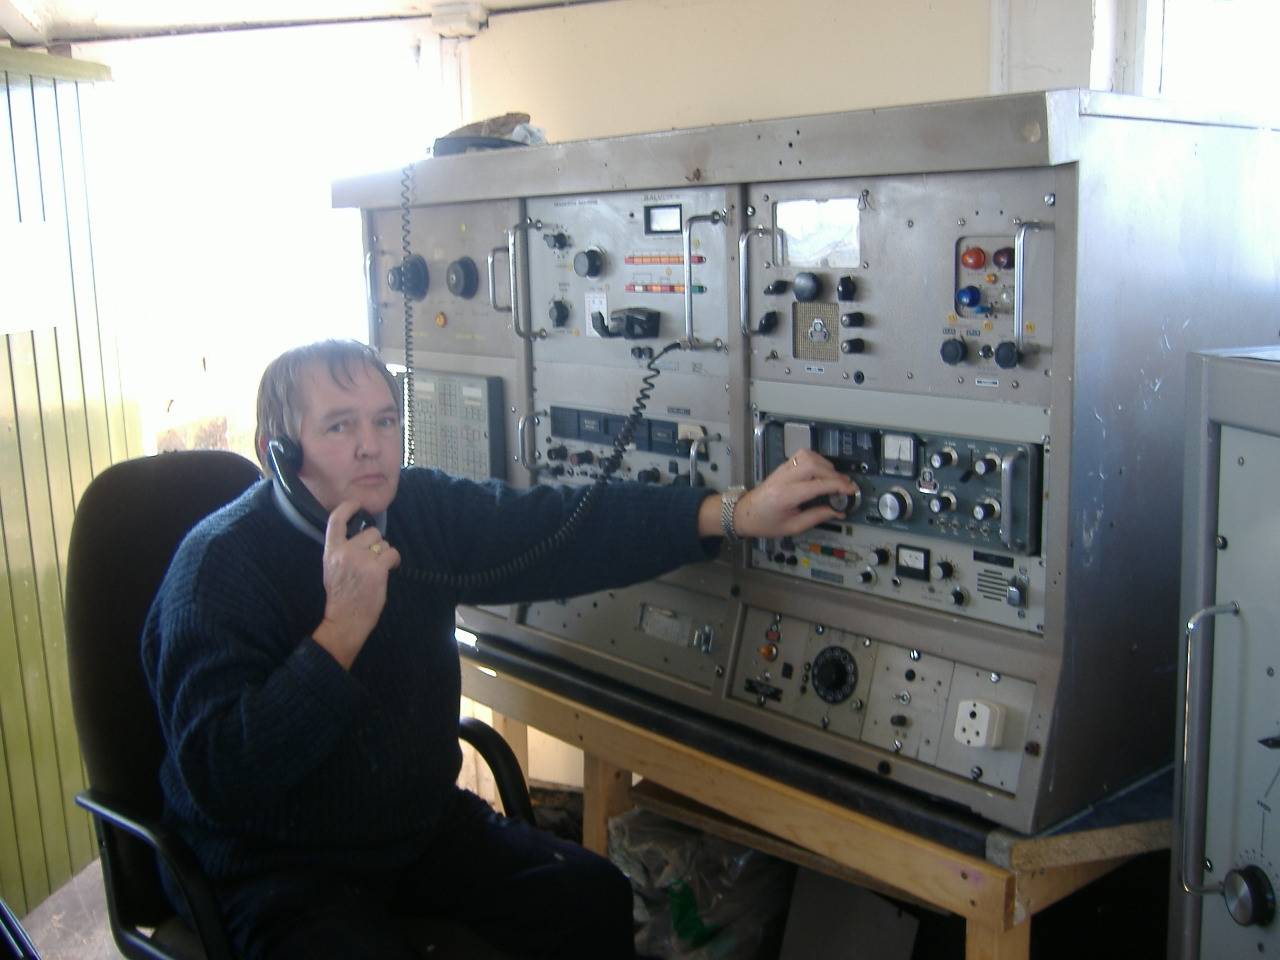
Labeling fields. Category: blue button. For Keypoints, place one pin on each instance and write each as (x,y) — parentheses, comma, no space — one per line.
(968,296)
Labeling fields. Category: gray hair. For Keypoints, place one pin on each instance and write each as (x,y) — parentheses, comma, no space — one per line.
(280,394)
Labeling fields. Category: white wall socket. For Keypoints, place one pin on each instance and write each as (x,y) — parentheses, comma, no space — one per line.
(980,724)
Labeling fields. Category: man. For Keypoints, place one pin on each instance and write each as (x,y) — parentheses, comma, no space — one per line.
(308,693)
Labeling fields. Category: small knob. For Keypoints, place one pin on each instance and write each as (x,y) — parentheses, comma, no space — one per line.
(558,313)
(987,465)
(807,287)
(855,319)
(650,475)
(769,322)
(986,509)
(582,457)
(1003,258)
(895,505)
(958,597)
(1250,898)
(846,288)
(588,263)
(410,277)
(954,351)
(1007,355)
(1015,592)
(558,452)
(853,345)
(776,287)
(880,556)
(941,459)
(969,296)
(943,570)
(556,241)
(462,278)
(942,503)
(866,575)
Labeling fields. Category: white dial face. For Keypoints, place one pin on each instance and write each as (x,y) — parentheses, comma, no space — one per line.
(899,454)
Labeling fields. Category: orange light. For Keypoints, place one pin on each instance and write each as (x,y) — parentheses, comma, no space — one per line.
(975,258)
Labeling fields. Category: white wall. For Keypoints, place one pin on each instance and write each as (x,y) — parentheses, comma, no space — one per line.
(638,65)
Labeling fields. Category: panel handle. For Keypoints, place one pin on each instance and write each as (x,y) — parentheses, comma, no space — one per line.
(744,239)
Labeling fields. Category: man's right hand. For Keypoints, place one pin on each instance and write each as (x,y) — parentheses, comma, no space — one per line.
(355,584)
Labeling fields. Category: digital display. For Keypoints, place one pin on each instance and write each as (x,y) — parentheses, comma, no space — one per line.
(663,219)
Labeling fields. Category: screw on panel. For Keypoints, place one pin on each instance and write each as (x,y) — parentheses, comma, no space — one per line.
(1220,542)
(995,677)
(914,654)
(819,629)
(961,222)
(1208,865)
(857,704)
(1032,749)
(1050,199)
(897,746)
(975,773)
(751,210)
(910,224)
(1240,460)
(826,722)
(719,671)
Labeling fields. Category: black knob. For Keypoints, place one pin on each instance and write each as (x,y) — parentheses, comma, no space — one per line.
(776,287)
(985,510)
(958,597)
(462,278)
(807,287)
(834,675)
(558,452)
(1007,355)
(867,576)
(582,457)
(846,288)
(880,556)
(588,263)
(942,503)
(987,465)
(943,570)
(855,319)
(853,345)
(769,322)
(954,351)
(556,241)
(1251,900)
(651,475)
(410,277)
(899,720)
(558,313)
(940,459)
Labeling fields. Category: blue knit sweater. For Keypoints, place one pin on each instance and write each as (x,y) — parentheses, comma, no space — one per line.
(276,756)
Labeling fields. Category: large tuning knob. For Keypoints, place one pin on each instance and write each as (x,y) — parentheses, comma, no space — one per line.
(410,277)
(588,263)
(1250,898)
(462,278)
(895,505)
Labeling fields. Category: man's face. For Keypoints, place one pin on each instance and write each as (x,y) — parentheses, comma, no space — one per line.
(350,439)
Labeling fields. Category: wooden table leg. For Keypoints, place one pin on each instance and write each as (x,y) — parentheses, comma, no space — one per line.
(993,942)
(517,736)
(606,792)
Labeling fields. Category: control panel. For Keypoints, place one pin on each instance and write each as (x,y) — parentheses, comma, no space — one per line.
(940,520)
(458,422)
(903,703)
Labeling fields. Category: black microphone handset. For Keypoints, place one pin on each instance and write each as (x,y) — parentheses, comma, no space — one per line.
(285,458)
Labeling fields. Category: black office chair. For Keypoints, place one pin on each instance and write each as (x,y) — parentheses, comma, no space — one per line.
(14,942)
(128,525)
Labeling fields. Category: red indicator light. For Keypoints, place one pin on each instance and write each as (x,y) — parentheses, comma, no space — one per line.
(975,258)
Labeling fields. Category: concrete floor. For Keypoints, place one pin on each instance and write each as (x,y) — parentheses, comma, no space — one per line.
(72,924)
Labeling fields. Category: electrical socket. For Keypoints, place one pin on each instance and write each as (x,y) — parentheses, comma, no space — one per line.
(980,724)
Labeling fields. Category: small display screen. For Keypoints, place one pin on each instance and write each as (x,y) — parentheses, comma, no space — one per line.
(663,219)
(899,454)
(818,233)
(913,562)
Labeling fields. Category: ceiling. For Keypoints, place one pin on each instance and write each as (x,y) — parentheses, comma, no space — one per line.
(48,22)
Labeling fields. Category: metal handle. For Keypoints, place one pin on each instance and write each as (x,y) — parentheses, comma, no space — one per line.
(493,282)
(1019,274)
(757,439)
(744,239)
(523,225)
(1195,868)
(522,443)
(716,216)
(1006,495)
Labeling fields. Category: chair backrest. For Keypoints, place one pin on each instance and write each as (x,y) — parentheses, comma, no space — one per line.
(126,529)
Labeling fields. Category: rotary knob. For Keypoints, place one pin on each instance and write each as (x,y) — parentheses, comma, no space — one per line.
(855,319)
(1251,900)
(853,345)
(880,556)
(834,675)
(558,313)
(941,459)
(943,570)
(895,505)
(410,277)
(953,351)
(987,465)
(944,502)
(1007,355)
(588,263)
(556,241)
(462,278)
(807,287)
(986,509)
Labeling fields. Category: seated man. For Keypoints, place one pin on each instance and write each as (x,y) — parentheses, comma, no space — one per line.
(308,692)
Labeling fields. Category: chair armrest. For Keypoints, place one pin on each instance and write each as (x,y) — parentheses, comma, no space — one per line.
(195,887)
(508,776)
(13,938)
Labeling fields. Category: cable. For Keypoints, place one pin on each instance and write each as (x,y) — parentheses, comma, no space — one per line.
(410,433)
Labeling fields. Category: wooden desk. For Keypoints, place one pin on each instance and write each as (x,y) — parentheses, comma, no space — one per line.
(997,895)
